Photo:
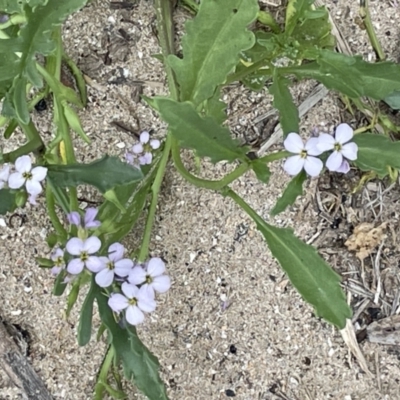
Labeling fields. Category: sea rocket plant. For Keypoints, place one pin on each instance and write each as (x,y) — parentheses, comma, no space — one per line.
(88,221)
(84,249)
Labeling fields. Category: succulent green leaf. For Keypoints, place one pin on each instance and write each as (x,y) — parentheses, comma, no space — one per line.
(104,174)
(261,170)
(393,100)
(312,277)
(215,108)
(202,134)
(296,11)
(283,101)
(351,76)
(211,46)
(292,191)
(376,153)
(44,262)
(139,364)
(85,318)
(72,297)
(7,201)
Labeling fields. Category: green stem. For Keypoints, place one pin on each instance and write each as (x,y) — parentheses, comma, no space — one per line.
(204,183)
(366,17)
(15,19)
(102,377)
(275,156)
(155,190)
(34,145)
(238,76)
(80,81)
(51,209)
(166,38)
(228,192)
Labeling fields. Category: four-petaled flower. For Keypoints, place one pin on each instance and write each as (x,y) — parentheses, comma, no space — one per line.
(152,277)
(142,152)
(341,147)
(4,174)
(88,221)
(134,301)
(57,256)
(112,265)
(304,157)
(28,176)
(83,249)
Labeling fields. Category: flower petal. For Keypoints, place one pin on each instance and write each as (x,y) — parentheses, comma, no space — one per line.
(74,246)
(312,147)
(155,267)
(334,161)
(123,267)
(343,133)
(130,291)
(313,166)
(137,276)
(116,251)
(32,199)
(146,159)
(134,316)
(75,266)
(96,264)
(33,187)
(293,165)
(161,284)
(104,278)
(350,150)
(344,167)
(55,270)
(4,172)
(155,144)
(56,254)
(89,219)
(16,180)
(23,164)
(39,173)
(294,143)
(117,302)
(146,301)
(144,137)
(92,244)
(74,218)
(325,142)
(137,148)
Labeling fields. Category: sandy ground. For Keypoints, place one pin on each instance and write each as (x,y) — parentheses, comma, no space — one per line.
(267,344)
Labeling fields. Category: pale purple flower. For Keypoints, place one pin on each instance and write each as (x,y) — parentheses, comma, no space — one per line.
(57,256)
(83,249)
(304,157)
(28,176)
(342,148)
(142,152)
(4,174)
(151,277)
(134,301)
(113,265)
(89,220)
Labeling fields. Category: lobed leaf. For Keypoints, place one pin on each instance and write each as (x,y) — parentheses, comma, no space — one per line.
(137,361)
(104,174)
(312,277)
(261,170)
(211,46)
(351,76)
(376,153)
(289,196)
(202,134)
